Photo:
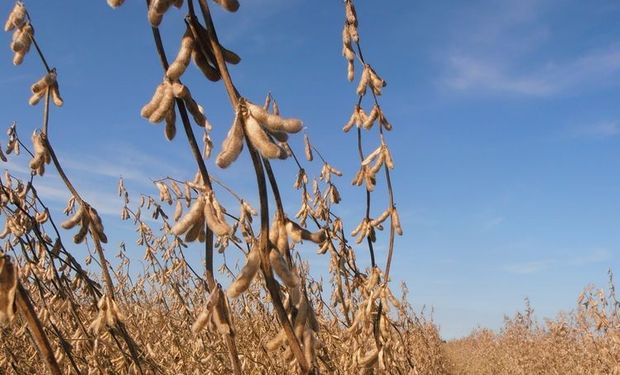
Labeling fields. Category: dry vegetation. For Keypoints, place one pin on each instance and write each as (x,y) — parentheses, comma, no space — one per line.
(585,341)
(271,316)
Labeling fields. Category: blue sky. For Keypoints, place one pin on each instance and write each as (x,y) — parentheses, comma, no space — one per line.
(506,130)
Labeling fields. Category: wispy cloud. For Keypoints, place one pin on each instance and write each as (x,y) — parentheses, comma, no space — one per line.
(254,14)
(123,162)
(95,177)
(598,130)
(510,49)
(53,191)
(492,222)
(594,256)
(488,74)
(529,267)
(15,168)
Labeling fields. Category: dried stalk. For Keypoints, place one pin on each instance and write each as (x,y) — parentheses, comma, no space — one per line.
(229,338)
(25,307)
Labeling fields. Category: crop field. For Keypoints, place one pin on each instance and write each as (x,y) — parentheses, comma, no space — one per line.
(170,311)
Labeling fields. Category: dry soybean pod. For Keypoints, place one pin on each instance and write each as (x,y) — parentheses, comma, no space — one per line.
(232,144)
(372,117)
(156,11)
(194,231)
(180,63)
(81,234)
(193,215)
(196,112)
(307,148)
(171,129)
(273,122)
(73,220)
(245,277)
(115,3)
(56,95)
(95,220)
(316,237)
(377,82)
(396,222)
(282,270)
(8,287)
(43,83)
(166,103)
(16,17)
(152,105)
(229,5)
(230,57)
(261,141)
(214,222)
(205,50)
(202,63)
(276,342)
(364,80)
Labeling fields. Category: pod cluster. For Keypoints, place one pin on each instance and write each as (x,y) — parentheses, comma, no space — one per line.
(204,210)
(261,128)
(216,314)
(88,219)
(305,326)
(161,107)
(22,32)
(370,78)
(13,143)
(203,56)
(108,315)
(17,224)
(366,322)
(195,45)
(349,36)
(371,165)
(301,313)
(281,231)
(360,119)
(41,153)
(367,227)
(40,88)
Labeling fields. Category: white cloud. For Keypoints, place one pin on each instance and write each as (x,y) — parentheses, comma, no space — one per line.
(253,16)
(598,255)
(489,74)
(509,48)
(129,163)
(529,267)
(492,222)
(52,191)
(95,177)
(605,129)
(17,169)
